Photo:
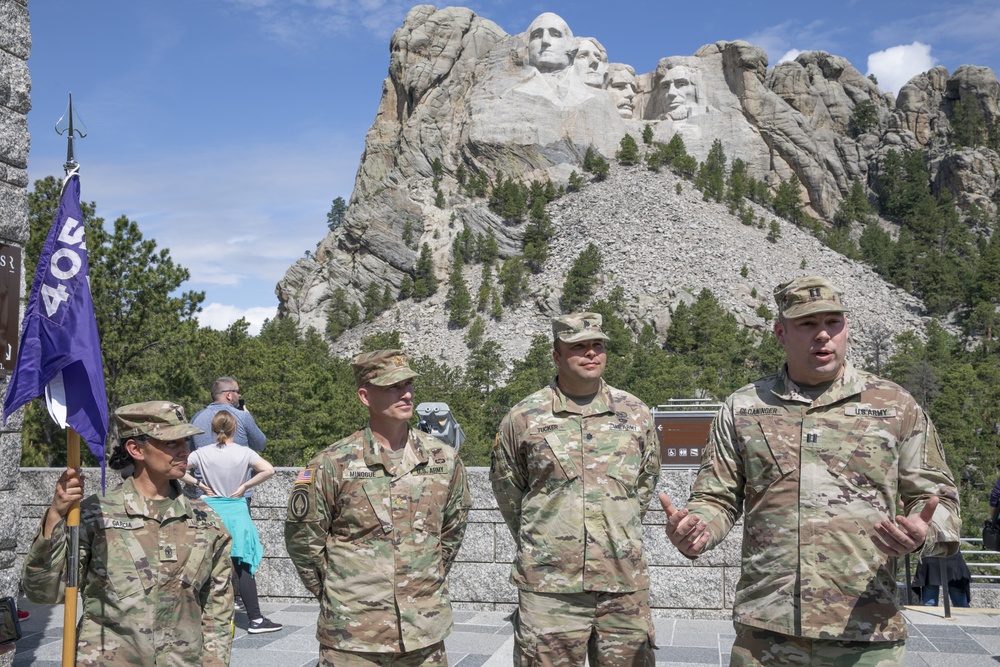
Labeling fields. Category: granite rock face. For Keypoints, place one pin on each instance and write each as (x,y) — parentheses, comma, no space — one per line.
(463,94)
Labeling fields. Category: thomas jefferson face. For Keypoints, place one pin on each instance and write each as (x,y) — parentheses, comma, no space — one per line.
(680,94)
(550,42)
(591,63)
(621,83)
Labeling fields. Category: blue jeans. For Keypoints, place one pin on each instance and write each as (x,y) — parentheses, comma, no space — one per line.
(929,596)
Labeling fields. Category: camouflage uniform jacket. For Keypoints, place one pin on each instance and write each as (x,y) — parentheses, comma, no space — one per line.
(155,589)
(573,483)
(375,546)
(813,478)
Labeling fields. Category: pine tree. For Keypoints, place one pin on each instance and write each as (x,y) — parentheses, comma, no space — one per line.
(865,117)
(774,231)
(406,287)
(514,280)
(854,207)
(580,281)
(459,300)
(336,214)
(647,134)
(968,123)
(786,201)
(485,288)
(372,302)
(475,333)
(337,314)
(575,182)
(537,234)
(629,150)
(424,281)
(496,307)
(601,168)
(487,250)
(407,234)
(712,173)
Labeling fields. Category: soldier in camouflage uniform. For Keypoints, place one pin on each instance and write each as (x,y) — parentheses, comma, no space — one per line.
(374,524)
(818,458)
(154,565)
(574,468)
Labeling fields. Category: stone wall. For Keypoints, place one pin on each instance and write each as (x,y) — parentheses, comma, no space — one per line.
(15,101)
(480,579)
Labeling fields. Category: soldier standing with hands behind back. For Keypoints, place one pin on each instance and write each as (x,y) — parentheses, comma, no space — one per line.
(374,524)
(574,468)
(817,458)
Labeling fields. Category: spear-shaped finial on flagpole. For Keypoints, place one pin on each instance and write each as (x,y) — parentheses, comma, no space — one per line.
(70,124)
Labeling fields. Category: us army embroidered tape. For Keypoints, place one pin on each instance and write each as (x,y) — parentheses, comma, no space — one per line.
(864,411)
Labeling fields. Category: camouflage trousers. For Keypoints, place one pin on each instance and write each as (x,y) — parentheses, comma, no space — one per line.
(429,656)
(761,647)
(561,630)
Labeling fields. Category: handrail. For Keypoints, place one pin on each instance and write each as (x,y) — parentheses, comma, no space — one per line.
(972,556)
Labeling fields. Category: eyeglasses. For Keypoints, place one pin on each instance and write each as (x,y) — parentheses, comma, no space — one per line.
(234,391)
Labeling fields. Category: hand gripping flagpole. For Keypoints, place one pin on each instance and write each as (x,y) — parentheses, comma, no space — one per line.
(66,125)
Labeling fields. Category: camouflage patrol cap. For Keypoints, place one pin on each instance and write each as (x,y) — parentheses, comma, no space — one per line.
(808,295)
(381,368)
(157,419)
(577,327)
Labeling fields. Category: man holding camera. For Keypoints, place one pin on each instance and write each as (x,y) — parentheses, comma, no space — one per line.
(226,396)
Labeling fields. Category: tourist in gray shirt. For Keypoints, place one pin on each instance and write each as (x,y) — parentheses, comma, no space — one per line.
(226,396)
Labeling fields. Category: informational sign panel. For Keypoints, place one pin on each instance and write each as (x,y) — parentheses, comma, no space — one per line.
(682,428)
(10,306)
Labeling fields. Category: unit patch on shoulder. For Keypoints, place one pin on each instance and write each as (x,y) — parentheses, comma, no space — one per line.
(298,503)
(305,476)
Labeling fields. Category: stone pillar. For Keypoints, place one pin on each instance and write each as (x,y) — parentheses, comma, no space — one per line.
(15,101)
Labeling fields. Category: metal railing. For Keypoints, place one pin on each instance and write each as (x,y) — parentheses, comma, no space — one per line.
(982,569)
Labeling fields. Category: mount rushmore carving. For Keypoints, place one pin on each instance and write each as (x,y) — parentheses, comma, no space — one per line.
(463,92)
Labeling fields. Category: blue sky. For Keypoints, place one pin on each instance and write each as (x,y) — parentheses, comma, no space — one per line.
(225,128)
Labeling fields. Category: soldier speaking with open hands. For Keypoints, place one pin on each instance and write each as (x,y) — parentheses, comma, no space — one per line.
(817,458)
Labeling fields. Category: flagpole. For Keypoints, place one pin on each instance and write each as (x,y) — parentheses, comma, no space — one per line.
(72,462)
(73,558)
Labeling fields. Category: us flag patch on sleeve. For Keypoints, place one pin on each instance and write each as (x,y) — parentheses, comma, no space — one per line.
(305,476)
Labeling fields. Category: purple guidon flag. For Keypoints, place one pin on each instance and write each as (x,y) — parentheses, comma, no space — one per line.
(60,352)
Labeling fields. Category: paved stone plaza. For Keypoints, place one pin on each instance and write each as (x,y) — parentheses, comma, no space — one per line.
(970,639)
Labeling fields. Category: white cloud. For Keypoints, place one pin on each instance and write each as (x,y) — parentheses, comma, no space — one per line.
(896,65)
(219,316)
(963,33)
(789,56)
